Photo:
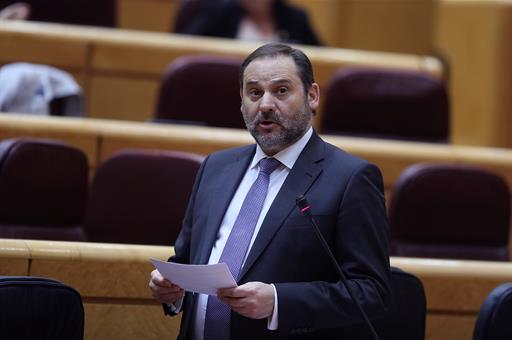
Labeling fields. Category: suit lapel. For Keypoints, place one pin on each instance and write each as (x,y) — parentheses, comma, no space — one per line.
(228,179)
(303,174)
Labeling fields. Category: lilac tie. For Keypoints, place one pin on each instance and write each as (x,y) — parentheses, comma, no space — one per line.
(218,314)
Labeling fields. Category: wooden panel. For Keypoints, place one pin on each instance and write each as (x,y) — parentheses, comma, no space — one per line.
(123,97)
(391,25)
(77,132)
(150,15)
(123,279)
(172,137)
(326,18)
(456,285)
(107,321)
(449,326)
(474,35)
(14,257)
(124,271)
(22,42)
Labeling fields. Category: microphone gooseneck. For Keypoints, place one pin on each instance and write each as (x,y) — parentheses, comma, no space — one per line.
(305,209)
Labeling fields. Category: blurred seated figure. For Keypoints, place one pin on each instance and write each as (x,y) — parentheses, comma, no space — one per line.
(40,90)
(261,20)
(15,11)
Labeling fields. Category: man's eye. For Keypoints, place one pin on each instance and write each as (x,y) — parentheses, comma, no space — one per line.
(254,92)
(282,90)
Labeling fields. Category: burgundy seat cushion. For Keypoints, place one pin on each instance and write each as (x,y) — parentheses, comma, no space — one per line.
(140,196)
(450,211)
(201,90)
(43,188)
(386,104)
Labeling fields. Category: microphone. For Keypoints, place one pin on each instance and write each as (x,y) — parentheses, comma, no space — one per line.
(305,209)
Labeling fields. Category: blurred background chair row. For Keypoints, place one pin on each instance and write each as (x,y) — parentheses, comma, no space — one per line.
(358,102)
(135,196)
(140,197)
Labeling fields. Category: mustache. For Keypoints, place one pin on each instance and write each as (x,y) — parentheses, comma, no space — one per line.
(265,116)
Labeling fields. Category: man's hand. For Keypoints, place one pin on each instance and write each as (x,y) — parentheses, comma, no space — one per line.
(253,300)
(163,290)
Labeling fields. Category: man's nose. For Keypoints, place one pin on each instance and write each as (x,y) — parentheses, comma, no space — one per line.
(267,103)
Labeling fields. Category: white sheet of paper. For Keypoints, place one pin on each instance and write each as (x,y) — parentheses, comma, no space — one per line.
(205,279)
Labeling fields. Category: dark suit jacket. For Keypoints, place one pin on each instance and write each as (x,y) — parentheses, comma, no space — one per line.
(222,18)
(345,194)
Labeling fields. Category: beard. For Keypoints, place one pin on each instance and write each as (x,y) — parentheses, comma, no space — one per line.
(291,129)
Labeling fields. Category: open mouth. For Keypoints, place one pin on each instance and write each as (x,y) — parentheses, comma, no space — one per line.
(268,125)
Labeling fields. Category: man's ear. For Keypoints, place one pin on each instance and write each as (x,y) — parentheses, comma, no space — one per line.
(314,97)
(241,99)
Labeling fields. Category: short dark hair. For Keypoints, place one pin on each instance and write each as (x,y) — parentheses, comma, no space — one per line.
(272,50)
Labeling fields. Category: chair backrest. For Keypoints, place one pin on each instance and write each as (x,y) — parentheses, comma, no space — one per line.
(43,189)
(140,196)
(201,90)
(405,319)
(80,12)
(386,104)
(494,321)
(39,308)
(450,211)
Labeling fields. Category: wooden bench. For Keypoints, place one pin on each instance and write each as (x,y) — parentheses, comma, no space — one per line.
(113,281)
(120,70)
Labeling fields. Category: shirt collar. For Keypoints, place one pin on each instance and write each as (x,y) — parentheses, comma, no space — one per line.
(288,156)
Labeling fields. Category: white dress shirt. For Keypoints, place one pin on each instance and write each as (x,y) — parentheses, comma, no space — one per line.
(287,157)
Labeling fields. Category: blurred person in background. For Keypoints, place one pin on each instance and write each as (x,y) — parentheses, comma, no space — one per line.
(252,20)
(15,11)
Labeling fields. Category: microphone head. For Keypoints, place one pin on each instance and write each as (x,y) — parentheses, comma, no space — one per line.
(303,205)
(301,201)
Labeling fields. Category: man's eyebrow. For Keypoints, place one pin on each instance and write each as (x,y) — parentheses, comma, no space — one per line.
(274,81)
(281,80)
(251,82)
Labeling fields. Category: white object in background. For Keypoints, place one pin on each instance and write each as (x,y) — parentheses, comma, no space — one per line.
(29,88)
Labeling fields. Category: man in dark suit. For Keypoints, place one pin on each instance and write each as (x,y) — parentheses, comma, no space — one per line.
(287,287)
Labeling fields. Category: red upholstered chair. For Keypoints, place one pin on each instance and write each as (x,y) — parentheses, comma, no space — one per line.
(43,188)
(79,12)
(386,104)
(140,196)
(450,211)
(201,90)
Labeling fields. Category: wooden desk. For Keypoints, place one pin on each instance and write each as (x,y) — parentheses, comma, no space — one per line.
(113,281)
(120,70)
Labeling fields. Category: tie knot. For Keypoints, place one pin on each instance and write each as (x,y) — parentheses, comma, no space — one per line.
(268,165)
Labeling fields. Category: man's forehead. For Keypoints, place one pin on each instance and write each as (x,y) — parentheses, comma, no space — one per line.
(276,69)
